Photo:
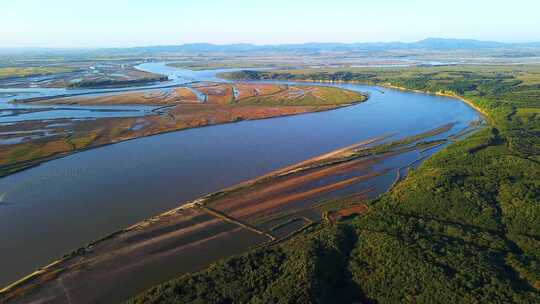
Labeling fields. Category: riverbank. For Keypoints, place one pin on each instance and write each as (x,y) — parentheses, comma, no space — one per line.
(183,110)
(463,226)
(389,85)
(251,149)
(258,205)
(473,105)
(78,74)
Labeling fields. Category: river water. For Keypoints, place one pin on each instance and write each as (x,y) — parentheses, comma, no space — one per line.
(63,204)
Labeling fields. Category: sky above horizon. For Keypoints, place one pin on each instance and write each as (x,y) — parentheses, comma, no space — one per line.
(126,23)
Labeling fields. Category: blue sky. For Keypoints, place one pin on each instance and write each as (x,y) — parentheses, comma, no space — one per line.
(117,23)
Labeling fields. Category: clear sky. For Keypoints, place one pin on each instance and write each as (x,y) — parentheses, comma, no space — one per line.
(122,23)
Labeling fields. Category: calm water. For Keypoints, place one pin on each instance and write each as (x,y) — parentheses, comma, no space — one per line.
(59,206)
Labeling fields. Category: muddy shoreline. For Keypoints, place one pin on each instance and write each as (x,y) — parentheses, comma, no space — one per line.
(111,252)
(339,185)
(18,167)
(173,110)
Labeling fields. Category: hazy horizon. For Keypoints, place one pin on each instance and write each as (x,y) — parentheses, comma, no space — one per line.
(108,24)
(250,43)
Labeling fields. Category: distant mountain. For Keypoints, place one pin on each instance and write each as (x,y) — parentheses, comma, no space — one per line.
(447,44)
(434,44)
(426,44)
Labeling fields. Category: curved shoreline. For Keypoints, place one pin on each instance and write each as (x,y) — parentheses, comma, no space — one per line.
(382,85)
(26,165)
(323,160)
(445,94)
(40,271)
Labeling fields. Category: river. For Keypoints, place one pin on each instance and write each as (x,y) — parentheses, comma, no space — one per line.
(63,204)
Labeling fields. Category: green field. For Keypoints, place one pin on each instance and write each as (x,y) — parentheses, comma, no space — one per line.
(462,228)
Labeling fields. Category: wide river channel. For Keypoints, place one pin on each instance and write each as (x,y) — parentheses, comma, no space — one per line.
(63,204)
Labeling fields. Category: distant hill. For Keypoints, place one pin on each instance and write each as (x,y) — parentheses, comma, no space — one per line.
(426,44)
(435,44)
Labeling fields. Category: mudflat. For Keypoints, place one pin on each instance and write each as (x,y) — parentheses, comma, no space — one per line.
(178,108)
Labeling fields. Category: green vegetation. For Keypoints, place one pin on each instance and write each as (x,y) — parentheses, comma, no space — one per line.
(462,228)
(11,72)
(313,269)
(306,96)
(99,83)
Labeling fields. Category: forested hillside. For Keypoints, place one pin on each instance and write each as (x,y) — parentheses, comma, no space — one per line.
(462,228)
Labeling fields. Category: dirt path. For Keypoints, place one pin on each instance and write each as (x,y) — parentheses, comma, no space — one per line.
(229,219)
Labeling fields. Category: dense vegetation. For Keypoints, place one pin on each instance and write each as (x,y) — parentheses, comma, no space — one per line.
(462,228)
(99,83)
(313,270)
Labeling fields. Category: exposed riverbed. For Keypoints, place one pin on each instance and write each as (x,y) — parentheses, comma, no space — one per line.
(60,205)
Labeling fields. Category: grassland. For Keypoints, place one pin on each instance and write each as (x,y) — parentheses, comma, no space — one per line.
(74,74)
(304,95)
(462,228)
(15,72)
(148,97)
(110,82)
(238,94)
